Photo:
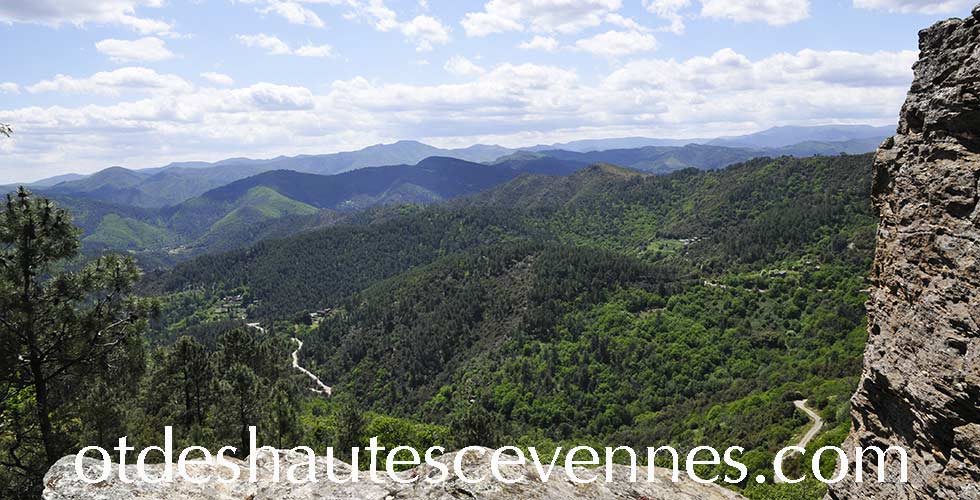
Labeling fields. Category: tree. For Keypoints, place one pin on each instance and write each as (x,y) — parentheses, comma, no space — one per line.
(61,330)
(242,402)
(190,365)
(350,427)
(473,426)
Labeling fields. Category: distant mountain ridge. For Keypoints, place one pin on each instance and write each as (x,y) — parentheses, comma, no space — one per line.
(278,202)
(177,182)
(782,137)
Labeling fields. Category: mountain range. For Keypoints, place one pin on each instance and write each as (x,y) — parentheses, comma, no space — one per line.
(178,182)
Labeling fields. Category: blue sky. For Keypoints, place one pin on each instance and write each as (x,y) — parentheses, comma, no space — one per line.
(141,83)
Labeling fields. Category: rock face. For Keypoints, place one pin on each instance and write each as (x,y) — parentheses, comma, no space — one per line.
(921,383)
(61,483)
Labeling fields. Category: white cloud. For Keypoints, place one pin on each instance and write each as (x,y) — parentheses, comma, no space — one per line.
(148,49)
(725,92)
(539,42)
(9,88)
(773,12)
(83,12)
(218,78)
(562,16)
(294,12)
(273,45)
(669,10)
(617,43)
(310,50)
(624,22)
(917,6)
(114,82)
(270,97)
(461,66)
(425,31)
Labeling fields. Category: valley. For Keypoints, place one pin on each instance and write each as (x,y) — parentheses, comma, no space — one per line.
(665,295)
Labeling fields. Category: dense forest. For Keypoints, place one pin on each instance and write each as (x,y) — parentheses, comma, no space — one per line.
(607,306)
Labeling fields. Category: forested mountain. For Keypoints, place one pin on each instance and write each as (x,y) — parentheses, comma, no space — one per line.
(276,203)
(654,159)
(606,306)
(758,212)
(150,188)
(178,182)
(432,179)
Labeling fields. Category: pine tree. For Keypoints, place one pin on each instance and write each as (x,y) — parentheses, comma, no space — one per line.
(61,330)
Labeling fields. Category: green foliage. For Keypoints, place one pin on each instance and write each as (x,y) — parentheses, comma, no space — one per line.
(123,233)
(66,339)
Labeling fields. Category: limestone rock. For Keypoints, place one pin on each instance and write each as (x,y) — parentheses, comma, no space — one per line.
(61,483)
(921,383)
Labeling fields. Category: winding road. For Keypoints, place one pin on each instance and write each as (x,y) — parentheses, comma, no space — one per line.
(814,429)
(817,423)
(324,388)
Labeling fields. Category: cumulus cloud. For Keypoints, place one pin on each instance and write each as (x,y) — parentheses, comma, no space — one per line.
(9,88)
(310,50)
(83,12)
(114,82)
(671,11)
(617,43)
(425,31)
(560,16)
(294,12)
(218,78)
(461,66)
(511,104)
(773,12)
(148,49)
(273,45)
(539,42)
(917,6)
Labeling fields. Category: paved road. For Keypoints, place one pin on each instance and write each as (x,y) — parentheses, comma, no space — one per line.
(812,432)
(817,423)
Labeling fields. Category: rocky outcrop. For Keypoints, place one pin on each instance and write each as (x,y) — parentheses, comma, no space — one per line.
(921,383)
(61,483)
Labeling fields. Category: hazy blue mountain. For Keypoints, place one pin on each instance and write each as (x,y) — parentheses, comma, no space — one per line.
(654,159)
(177,182)
(773,138)
(812,148)
(779,137)
(151,188)
(399,153)
(584,146)
(434,177)
(273,203)
(58,179)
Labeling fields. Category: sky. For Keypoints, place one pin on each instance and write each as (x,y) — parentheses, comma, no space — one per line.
(141,83)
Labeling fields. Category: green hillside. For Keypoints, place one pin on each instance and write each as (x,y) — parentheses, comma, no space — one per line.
(608,306)
(115,231)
